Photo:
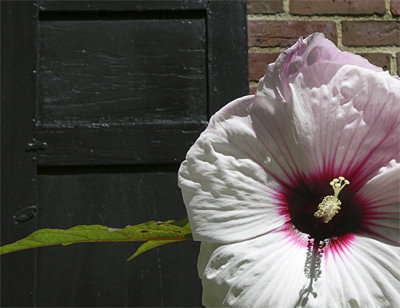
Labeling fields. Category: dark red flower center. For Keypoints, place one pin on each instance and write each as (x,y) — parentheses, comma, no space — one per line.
(302,199)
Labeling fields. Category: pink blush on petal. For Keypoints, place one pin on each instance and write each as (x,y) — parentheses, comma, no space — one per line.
(293,237)
(300,199)
(338,247)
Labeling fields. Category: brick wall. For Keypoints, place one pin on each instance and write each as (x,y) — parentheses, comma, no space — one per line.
(370,28)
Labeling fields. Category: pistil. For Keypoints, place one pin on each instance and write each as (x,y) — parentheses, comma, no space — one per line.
(330,205)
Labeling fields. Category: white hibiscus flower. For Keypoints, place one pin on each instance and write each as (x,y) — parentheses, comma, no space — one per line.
(323,123)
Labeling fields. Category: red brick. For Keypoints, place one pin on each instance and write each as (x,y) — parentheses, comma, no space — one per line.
(258,64)
(398,63)
(264,6)
(348,7)
(378,59)
(286,33)
(371,33)
(395,7)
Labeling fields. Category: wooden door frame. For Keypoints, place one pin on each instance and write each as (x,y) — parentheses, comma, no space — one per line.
(227,79)
(18,166)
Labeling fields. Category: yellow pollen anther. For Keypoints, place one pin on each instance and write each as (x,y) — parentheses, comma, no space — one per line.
(330,205)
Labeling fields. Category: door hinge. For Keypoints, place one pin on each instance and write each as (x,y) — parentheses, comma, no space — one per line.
(36,145)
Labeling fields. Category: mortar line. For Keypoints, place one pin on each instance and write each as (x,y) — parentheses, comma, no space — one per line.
(339,34)
(286,16)
(285,4)
(387,7)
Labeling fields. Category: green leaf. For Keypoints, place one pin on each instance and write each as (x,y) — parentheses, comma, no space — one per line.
(170,230)
(150,245)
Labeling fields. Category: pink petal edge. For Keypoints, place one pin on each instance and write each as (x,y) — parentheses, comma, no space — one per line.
(304,53)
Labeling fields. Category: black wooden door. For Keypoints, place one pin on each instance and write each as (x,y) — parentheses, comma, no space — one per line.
(100,102)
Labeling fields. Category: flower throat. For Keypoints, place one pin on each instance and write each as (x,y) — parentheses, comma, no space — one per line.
(313,208)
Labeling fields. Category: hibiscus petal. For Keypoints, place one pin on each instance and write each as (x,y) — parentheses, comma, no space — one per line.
(229,180)
(347,126)
(318,113)
(382,195)
(267,271)
(365,274)
(272,271)
(306,52)
(352,121)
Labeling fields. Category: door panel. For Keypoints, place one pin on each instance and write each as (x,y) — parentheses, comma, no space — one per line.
(122,71)
(98,274)
(137,80)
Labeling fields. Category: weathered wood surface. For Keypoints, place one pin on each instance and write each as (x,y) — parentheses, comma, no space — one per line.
(118,91)
(123,71)
(118,5)
(227,49)
(98,275)
(115,144)
(18,172)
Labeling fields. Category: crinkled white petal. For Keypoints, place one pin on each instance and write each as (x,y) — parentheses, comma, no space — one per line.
(382,213)
(306,52)
(267,271)
(229,179)
(364,274)
(340,120)
(271,271)
(352,121)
